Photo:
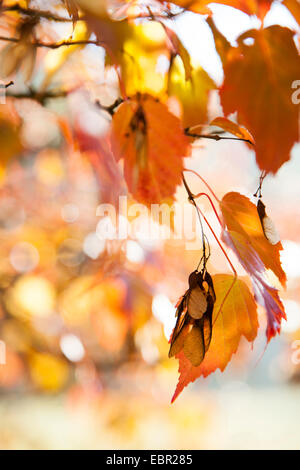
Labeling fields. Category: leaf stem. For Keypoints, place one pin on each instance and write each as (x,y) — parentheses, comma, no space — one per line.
(230,263)
(216,137)
(203,181)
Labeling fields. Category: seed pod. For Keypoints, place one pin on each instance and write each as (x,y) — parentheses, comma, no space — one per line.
(193,330)
(267,224)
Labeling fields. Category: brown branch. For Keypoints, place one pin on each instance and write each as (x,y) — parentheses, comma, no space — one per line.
(32,94)
(40,97)
(35,13)
(7,85)
(48,15)
(54,45)
(216,137)
(111,108)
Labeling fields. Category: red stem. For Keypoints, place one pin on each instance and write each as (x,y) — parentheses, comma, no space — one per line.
(203,181)
(212,204)
(228,259)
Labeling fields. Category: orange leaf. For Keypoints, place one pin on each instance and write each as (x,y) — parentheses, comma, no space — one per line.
(251,7)
(241,216)
(232,128)
(179,49)
(294,7)
(152,143)
(72,9)
(237,318)
(223,47)
(265,294)
(192,94)
(258,80)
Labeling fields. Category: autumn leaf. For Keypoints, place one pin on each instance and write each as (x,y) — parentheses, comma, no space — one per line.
(197,6)
(244,234)
(251,7)
(178,49)
(294,7)
(240,215)
(72,9)
(237,318)
(265,294)
(107,172)
(258,80)
(138,58)
(10,137)
(232,128)
(112,34)
(152,143)
(192,94)
(222,45)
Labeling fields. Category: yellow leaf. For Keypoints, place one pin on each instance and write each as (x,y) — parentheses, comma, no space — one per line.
(192,94)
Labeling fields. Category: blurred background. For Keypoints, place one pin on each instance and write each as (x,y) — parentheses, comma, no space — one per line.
(86,320)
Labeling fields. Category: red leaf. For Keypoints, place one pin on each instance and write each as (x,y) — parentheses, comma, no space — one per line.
(258,81)
(240,215)
(243,232)
(232,128)
(265,295)
(152,143)
(237,318)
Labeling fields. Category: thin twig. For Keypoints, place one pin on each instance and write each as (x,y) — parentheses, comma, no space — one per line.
(40,97)
(192,200)
(111,108)
(7,85)
(203,181)
(216,137)
(55,45)
(35,13)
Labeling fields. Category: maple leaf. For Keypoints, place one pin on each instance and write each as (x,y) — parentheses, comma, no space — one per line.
(244,234)
(107,172)
(141,51)
(294,7)
(177,48)
(232,128)
(240,215)
(192,94)
(222,45)
(259,89)
(251,7)
(72,9)
(237,318)
(152,143)
(265,295)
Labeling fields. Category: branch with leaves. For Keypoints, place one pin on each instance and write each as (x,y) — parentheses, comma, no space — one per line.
(153,124)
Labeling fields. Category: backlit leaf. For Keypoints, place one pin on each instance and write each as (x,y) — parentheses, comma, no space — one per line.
(258,80)
(237,318)
(294,7)
(152,143)
(251,7)
(142,49)
(240,215)
(266,295)
(232,128)
(192,94)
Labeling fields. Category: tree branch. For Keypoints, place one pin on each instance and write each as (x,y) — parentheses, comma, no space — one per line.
(35,13)
(216,137)
(40,97)
(54,45)
(110,109)
(7,85)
